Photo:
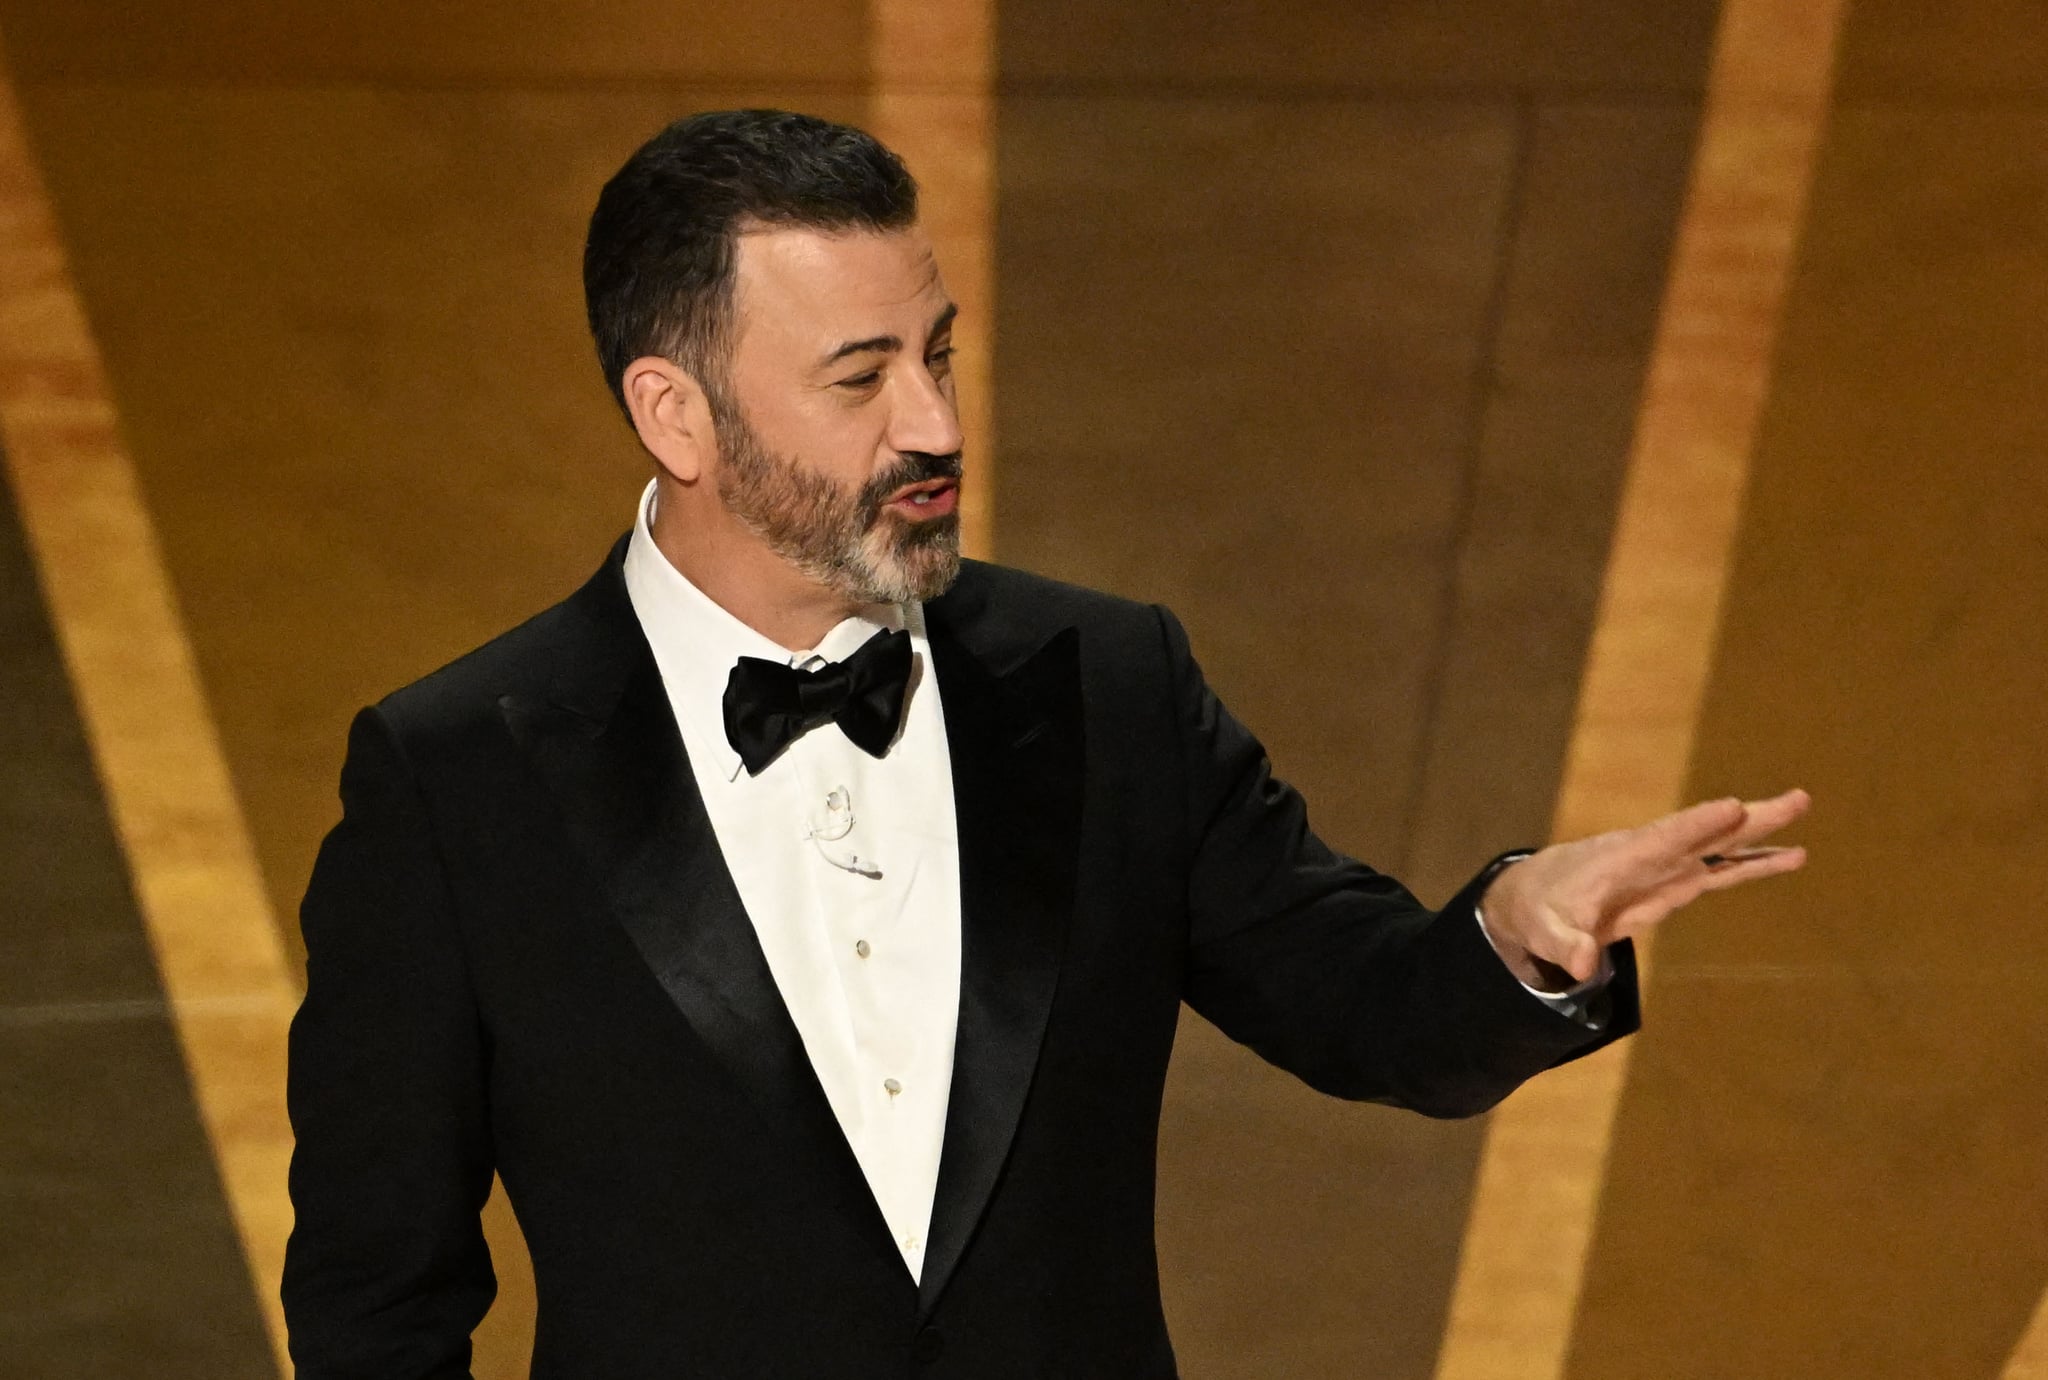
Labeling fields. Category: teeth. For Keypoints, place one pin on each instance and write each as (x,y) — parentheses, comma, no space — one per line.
(921,498)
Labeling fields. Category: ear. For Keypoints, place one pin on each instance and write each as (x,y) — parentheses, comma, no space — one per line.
(672,416)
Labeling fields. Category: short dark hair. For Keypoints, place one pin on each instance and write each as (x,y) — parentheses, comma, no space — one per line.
(659,258)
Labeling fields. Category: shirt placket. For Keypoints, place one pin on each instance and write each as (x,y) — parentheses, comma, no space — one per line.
(862,930)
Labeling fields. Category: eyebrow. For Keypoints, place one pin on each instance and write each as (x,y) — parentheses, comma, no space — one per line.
(887,343)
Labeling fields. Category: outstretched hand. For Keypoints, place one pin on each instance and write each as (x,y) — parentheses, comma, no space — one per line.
(1562,906)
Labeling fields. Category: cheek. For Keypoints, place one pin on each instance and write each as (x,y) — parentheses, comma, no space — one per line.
(835,443)
(842,428)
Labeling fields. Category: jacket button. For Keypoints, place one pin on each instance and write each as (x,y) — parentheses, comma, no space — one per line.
(928,1345)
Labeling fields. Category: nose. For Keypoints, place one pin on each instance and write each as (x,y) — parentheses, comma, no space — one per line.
(925,419)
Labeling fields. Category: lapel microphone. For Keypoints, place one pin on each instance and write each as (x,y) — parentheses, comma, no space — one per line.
(827,831)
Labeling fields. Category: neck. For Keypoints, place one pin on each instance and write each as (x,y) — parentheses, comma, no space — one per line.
(736,571)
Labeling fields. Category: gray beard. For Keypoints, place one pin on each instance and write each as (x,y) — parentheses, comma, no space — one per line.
(843,539)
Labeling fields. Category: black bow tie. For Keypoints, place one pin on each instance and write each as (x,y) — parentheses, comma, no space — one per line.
(769,705)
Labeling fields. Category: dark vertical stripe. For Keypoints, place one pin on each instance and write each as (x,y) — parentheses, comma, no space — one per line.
(1327,326)
(117,1254)
(439,459)
(1583,284)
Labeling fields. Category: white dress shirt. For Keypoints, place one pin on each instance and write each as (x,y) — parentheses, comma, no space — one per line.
(849,867)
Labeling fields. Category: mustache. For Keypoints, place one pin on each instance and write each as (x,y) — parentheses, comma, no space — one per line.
(911,467)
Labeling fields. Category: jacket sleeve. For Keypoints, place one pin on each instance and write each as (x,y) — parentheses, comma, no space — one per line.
(386,1273)
(1336,972)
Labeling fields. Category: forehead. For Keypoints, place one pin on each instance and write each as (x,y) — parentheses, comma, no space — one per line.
(813,289)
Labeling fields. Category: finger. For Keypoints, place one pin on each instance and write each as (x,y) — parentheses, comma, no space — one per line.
(1649,910)
(1762,818)
(1558,942)
(1739,855)
(1645,915)
(1686,834)
(1759,864)
(1759,820)
(1722,862)
(1580,956)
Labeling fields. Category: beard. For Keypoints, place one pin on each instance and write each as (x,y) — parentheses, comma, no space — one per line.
(843,538)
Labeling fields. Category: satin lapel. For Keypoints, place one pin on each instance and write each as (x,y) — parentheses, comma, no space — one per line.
(624,785)
(1015,739)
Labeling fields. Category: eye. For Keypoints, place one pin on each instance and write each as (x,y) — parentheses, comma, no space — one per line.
(939,357)
(862,381)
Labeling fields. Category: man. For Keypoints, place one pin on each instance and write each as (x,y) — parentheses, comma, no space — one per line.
(797,916)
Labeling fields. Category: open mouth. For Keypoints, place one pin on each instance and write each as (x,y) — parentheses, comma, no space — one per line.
(930,499)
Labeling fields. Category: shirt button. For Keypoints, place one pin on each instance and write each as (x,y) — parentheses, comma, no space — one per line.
(891,1086)
(860,946)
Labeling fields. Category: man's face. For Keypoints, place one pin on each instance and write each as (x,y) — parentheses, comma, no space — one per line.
(839,440)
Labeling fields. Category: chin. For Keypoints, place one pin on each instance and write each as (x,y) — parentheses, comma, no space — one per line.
(911,566)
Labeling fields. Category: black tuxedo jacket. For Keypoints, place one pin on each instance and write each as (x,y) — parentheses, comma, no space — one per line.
(525,954)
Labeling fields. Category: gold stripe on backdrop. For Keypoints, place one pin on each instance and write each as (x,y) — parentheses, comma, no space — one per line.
(167,787)
(933,63)
(2029,1359)
(1539,1184)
